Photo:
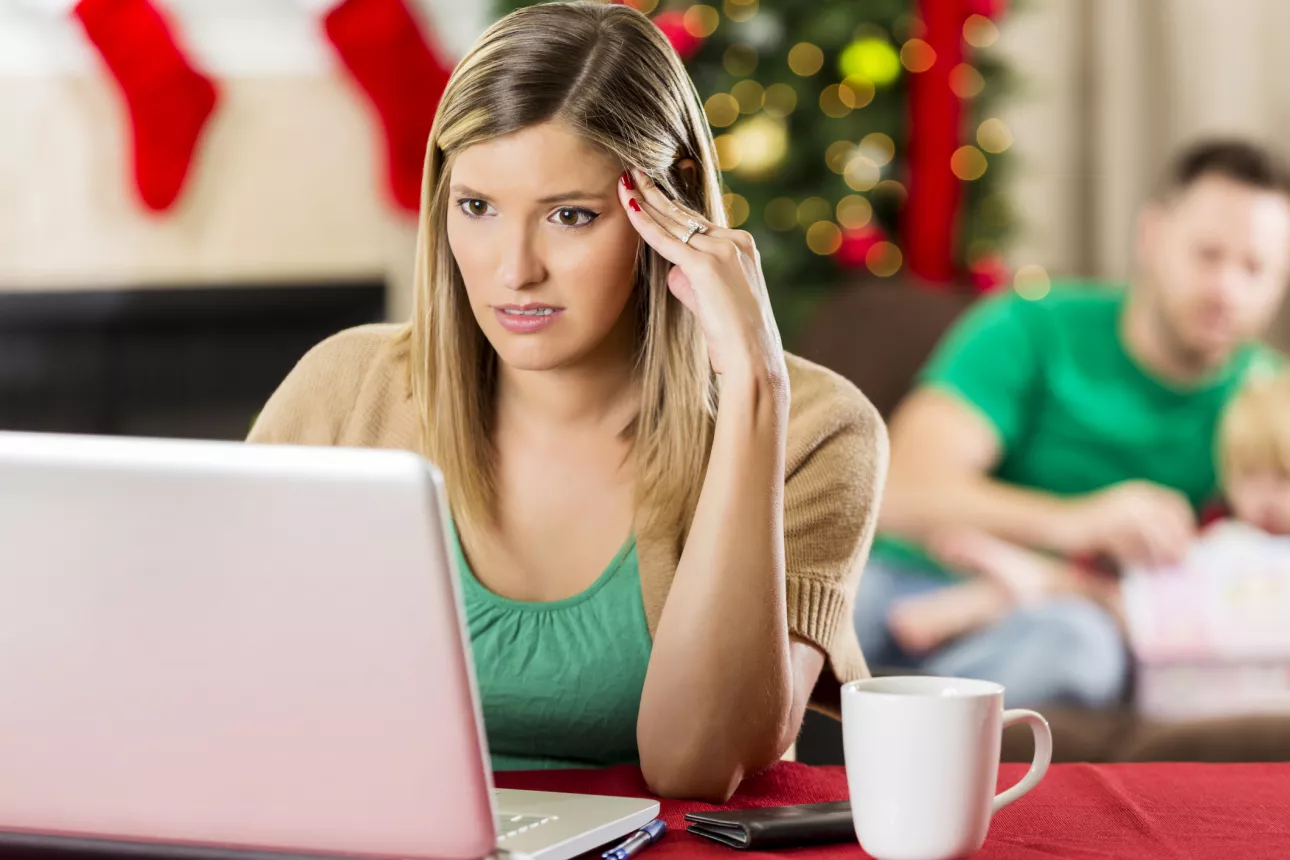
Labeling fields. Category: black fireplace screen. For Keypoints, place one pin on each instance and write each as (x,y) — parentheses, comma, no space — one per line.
(190,362)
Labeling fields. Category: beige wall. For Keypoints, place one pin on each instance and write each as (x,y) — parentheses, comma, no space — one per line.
(287,187)
(289,182)
(1044,118)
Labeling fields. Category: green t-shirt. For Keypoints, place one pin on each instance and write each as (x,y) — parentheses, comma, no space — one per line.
(560,682)
(1074,411)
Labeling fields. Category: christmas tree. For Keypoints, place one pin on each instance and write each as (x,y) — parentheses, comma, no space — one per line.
(810,108)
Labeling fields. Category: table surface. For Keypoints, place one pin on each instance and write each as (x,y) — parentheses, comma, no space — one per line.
(1228,811)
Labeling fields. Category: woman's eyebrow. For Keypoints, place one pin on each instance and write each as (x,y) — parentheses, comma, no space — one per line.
(576,194)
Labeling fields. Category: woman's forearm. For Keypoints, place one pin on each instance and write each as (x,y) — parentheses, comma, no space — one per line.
(718,695)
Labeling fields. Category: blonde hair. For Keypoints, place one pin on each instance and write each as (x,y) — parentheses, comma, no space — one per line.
(610,74)
(1254,435)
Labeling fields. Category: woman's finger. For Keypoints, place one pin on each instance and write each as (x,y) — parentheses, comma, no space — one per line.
(698,241)
(680,214)
(667,211)
(654,233)
(653,194)
(675,213)
(658,206)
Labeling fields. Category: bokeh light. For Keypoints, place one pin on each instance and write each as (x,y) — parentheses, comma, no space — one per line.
(736,208)
(872,58)
(805,59)
(701,20)
(780,101)
(854,212)
(762,143)
(727,151)
(1031,282)
(836,101)
(781,214)
(837,155)
(879,147)
(813,209)
(980,32)
(994,135)
(824,237)
(722,109)
(740,60)
(740,10)
(862,90)
(750,95)
(968,163)
(862,172)
(917,56)
(884,259)
(966,81)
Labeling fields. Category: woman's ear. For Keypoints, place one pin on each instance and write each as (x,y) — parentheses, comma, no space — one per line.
(688,170)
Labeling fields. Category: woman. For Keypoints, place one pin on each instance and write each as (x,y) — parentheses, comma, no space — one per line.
(602,385)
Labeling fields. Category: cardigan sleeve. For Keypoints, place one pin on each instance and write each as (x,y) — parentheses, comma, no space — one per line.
(313,402)
(836,469)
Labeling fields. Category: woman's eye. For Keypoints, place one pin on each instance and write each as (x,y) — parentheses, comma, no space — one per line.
(569,217)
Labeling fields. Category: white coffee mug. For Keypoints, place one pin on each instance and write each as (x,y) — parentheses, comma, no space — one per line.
(922,756)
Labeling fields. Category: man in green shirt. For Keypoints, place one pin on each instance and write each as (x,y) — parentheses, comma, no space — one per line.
(1082,424)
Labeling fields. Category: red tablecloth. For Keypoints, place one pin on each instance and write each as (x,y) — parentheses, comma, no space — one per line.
(1228,811)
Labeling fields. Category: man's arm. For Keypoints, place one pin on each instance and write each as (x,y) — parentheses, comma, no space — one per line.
(942,453)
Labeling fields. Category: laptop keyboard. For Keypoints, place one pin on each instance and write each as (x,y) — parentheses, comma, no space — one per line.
(514,825)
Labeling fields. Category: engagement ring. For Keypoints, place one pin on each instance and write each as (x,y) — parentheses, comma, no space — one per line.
(695,227)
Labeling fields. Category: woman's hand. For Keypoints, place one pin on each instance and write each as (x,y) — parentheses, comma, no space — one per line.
(726,686)
(717,275)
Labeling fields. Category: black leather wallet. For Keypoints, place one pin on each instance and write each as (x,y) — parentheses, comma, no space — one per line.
(776,826)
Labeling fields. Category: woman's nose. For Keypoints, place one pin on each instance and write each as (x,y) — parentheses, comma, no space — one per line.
(522,264)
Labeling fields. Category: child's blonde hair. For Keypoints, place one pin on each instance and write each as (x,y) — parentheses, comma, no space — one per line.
(1254,436)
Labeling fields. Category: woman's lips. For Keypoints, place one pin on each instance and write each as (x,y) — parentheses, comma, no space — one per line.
(527,319)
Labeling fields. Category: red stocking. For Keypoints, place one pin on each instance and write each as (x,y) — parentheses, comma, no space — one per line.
(382,46)
(169,100)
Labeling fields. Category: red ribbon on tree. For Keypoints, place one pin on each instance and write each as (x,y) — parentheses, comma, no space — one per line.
(672,23)
(935,119)
(856,245)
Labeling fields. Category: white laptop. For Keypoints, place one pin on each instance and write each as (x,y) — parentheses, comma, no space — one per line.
(214,650)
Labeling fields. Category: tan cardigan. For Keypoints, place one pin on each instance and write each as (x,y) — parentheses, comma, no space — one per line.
(353,389)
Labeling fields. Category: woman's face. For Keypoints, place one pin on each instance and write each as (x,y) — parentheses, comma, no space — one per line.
(544,247)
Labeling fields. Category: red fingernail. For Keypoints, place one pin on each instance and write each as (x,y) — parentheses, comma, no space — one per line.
(631,201)
(627,180)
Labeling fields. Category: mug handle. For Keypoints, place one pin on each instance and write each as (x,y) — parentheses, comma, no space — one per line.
(1043,754)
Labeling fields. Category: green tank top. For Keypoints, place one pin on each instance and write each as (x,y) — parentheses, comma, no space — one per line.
(560,682)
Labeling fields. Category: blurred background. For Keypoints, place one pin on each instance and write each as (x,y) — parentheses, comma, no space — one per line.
(895,158)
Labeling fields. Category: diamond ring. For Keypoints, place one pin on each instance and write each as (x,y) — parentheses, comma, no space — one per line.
(695,227)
